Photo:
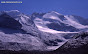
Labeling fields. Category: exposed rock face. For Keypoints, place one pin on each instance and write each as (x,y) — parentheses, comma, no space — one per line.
(61,27)
(77,45)
(8,22)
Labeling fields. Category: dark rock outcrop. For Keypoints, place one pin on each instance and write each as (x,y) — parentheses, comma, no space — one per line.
(8,22)
(77,45)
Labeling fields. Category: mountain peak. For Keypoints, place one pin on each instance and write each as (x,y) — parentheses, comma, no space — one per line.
(13,11)
(55,12)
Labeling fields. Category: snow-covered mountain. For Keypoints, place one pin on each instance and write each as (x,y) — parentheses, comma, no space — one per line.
(24,21)
(19,32)
(55,22)
(40,31)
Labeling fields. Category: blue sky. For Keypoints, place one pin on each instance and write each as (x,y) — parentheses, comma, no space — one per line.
(66,7)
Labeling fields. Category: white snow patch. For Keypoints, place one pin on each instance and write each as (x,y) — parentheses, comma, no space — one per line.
(51,30)
(74,23)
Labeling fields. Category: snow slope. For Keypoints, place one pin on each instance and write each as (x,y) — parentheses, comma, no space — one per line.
(61,23)
(18,32)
